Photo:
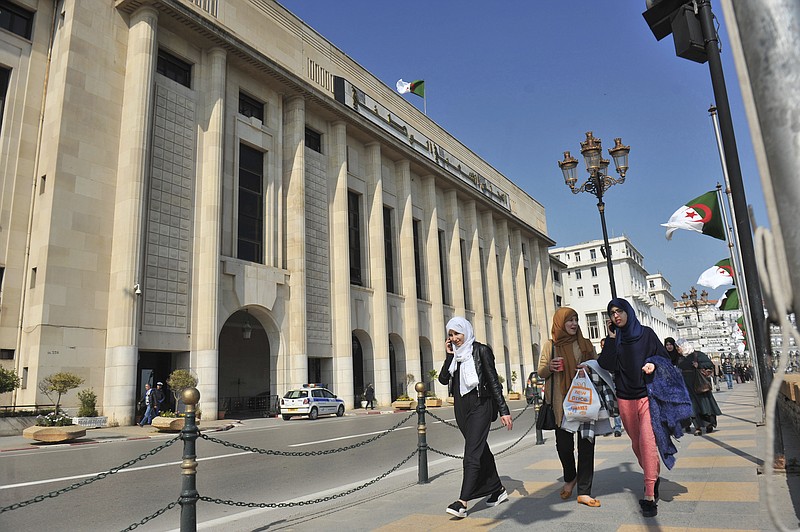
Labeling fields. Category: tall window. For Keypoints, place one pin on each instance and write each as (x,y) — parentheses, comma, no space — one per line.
(443,269)
(500,285)
(577,275)
(556,276)
(418,259)
(577,256)
(250,243)
(484,286)
(16,19)
(250,107)
(465,273)
(5,75)
(354,236)
(592,254)
(580,291)
(593,326)
(313,140)
(596,288)
(594,271)
(174,68)
(388,249)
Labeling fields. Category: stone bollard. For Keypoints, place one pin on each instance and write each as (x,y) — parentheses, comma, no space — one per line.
(189,434)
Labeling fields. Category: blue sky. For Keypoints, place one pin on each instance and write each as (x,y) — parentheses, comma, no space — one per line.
(520,82)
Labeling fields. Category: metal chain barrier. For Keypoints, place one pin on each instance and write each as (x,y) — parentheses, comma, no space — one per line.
(453,425)
(53,494)
(304,453)
(166,508)
(312,501)
(497,453)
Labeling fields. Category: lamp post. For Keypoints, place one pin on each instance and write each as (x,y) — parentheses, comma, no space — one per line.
(691,300)
(598,182)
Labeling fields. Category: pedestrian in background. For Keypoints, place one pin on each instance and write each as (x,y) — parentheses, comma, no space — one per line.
(369,397)
(647,384)
(149,403)
(158,397)
(562,354)
(469,372)
(727,370)
(669,345)
(704,406)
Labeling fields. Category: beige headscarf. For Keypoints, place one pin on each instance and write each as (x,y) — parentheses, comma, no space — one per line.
(562,341)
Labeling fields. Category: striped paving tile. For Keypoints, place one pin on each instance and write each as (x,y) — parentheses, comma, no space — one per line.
(682,491)
(708,444)
(555,464)
(427,522)
(535,490)
(703,462)
(644,528)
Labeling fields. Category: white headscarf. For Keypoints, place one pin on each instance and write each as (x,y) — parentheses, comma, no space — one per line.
(463,354)
(685,346)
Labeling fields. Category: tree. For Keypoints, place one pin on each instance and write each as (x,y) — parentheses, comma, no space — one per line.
(9,380)
(179,380)
(59,383)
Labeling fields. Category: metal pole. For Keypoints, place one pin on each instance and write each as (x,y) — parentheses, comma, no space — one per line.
(189,434)
(422,443)
(742,222)
(602,208)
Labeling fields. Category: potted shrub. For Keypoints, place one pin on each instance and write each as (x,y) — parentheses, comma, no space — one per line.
(56,427)
(431,400)
(404,402)
(512,394)
(166,421)
(87,413)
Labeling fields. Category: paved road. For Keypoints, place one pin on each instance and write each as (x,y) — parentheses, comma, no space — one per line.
(714,486)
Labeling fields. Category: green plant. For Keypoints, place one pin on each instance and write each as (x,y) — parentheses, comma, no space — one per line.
(167,413)
(59,383)
(9,380)
(433,374)
(403,397)
(88,400)
(53,420)
(179,380)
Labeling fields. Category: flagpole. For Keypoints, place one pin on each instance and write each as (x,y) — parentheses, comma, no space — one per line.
(425,102)
(736,259)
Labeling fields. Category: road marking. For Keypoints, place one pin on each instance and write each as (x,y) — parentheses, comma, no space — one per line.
(355,436)
(129,470)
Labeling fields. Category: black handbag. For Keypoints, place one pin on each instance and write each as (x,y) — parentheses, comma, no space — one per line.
(546,417)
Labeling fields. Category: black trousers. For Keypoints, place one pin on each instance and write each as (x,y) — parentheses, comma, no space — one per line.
(565,445)
(474,417)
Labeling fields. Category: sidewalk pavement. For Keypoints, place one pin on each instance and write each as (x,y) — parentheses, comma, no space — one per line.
(715,485)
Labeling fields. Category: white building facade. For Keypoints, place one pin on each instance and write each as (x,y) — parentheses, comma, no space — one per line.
(216,187)
(587,289)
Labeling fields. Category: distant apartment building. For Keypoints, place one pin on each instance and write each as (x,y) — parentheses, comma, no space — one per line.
(586,288)
(215,186)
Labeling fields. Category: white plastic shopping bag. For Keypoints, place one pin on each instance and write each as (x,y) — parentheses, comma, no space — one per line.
(581,402)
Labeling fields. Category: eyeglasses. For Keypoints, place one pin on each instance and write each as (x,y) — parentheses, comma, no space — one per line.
(616,312)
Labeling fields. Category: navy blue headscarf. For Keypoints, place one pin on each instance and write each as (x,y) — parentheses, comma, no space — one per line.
(632,330)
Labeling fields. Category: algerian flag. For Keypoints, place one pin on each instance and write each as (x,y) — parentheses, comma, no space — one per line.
(721,274)
(701,214)
(730,301)
(416,87)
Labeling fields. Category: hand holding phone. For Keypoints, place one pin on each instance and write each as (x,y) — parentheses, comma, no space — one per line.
(612,329)
(448,346)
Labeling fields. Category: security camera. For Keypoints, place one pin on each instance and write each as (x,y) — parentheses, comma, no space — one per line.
(137,289)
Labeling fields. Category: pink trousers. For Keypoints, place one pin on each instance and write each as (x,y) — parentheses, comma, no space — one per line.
(635,414)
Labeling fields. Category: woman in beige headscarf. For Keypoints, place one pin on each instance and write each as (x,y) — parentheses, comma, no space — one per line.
(561,355)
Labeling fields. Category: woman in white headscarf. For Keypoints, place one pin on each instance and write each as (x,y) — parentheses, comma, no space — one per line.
(470,373)
(704,407)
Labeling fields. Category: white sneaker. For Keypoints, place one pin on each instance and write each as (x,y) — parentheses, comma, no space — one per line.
(497,497)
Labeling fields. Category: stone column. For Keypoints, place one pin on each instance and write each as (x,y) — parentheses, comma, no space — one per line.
(119,390)
(340,263)
(455,273)
(470,218)
(377,276)
(493,283)
(205,316)
(294,164)
(524,324)
(431,236)
(408,275)
(509,297)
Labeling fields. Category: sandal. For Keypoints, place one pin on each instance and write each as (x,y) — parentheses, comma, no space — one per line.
(566,494)
(588,501)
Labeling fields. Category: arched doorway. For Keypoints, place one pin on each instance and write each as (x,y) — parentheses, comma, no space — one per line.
(246,370)
(398,368)
(358,371)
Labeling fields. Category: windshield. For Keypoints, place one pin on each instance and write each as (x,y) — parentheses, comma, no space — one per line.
(296,394)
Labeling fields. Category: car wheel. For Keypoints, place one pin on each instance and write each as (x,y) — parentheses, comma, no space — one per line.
(340,412)
(286,417)
(313,414)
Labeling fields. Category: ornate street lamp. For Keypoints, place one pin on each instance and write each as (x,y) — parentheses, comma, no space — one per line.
(599,181)
(691,300)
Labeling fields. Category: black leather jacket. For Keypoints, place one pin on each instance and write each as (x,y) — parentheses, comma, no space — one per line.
(488,383)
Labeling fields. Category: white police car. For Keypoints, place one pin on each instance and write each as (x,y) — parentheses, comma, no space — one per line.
(312,401)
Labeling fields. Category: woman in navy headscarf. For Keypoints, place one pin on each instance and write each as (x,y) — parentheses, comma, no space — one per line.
(628,352)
